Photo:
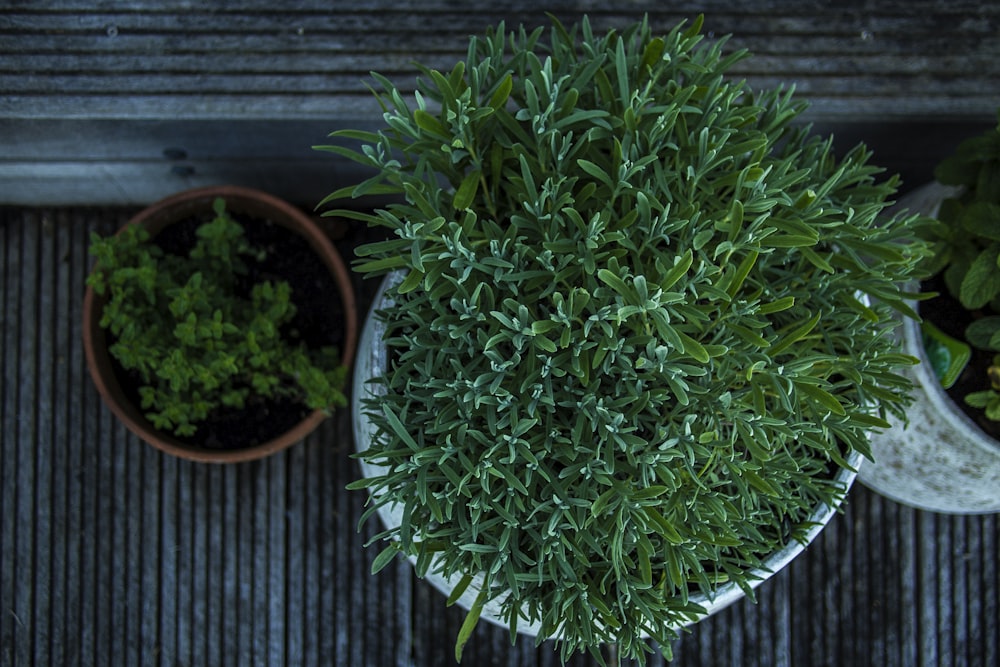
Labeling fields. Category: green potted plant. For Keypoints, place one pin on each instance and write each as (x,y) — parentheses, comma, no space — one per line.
(634,334)
(947,457)
(218,324)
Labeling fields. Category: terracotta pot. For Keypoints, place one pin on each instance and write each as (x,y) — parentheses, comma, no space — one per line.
(154,219)
(940,460)
(373,362)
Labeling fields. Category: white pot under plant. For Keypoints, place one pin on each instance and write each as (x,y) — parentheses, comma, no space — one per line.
(940,460)
(372,361)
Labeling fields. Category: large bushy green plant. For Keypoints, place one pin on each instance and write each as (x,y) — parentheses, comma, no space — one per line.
(642,321)
(195,339)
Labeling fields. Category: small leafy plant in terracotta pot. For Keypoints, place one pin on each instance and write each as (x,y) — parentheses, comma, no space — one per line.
(218,324)
(634,335)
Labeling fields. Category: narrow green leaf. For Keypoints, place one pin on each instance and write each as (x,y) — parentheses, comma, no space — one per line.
(653,53)
(382,265)
(816,260)
(650,492)
(749,335)
(458,590)
(666,528)
(695,28)
(398,428)
(742,271)
(466,192)
(788,241)
(694,348)
(411,282)
(429,123)
(645,567)
(776,306)
(358,135)
(821,396)
(603,501)
(545,344)
(795,335)
(385,557)
(613,281)
(471,620)
(502,93)
(622,75)
(595,171)
(870,420)
(544,326)
(760,483)
(680,267)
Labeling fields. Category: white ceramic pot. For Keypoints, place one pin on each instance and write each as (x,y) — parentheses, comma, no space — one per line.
(371,362)
(941,460)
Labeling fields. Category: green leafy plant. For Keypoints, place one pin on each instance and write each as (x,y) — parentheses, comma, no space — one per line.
(196,342)
(642,320)
(966,246)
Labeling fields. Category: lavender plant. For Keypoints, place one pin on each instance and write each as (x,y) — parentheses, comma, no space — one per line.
(642,321)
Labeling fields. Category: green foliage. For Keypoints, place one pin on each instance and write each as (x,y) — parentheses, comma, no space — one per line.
(196,343)
(642,320)
(988,400)
(966,242)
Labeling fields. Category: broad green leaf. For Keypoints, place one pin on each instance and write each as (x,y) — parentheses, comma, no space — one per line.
(982,331)
(982,281)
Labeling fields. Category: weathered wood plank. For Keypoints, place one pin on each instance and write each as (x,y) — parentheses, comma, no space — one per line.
(111,553)
(127,163)
(183,60)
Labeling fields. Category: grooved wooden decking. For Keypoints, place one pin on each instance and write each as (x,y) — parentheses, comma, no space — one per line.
(114,102)
(114,554)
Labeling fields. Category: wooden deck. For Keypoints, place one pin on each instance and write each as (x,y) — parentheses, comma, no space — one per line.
(114,554)
(127,102)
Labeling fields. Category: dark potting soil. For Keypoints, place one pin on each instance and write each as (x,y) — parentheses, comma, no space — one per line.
(318,322)
(948,315)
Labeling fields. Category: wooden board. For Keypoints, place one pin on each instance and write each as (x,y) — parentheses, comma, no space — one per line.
(92,93)
(112,553)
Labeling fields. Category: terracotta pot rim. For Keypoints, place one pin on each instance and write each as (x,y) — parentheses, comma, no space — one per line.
(160,214)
